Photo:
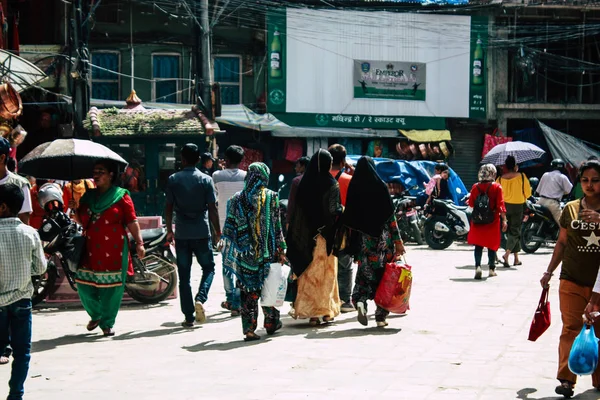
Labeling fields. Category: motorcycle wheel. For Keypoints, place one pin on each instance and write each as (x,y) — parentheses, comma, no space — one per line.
(527,232)
(164,290)
(43,285)
(437,240)
(415,232)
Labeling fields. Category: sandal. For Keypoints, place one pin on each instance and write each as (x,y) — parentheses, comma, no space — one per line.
(565,388)
(505,263)
(108,332)
(92,325)
(277,327)
(518,263)
(250,337)
(226,305)
(314,322)
(4,360)
(327,319)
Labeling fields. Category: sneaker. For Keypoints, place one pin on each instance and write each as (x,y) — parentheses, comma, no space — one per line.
(566,389)
(478,272)
(382,324)
(362,313)
(492,273)
(347,307)
(187,324)
(200,315)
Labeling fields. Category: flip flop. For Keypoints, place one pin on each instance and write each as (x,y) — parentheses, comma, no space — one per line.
(4,360)
(505,263)
(517,264)
(251,338)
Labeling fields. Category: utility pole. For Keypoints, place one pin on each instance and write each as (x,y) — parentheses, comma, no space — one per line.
(81,87)
(206,81)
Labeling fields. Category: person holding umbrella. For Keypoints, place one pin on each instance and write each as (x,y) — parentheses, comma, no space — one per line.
(105,212)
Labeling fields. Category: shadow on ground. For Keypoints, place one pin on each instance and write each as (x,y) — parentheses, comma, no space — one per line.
(525,394)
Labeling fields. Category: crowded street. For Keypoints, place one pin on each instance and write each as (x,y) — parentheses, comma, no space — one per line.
(462,339)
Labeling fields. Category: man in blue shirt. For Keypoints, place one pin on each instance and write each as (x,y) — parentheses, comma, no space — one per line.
(191,194)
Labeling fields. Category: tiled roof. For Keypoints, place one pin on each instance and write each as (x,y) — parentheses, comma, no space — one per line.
(122,122)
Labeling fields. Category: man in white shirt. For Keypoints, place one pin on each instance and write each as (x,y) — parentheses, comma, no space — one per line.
(553,186)
(8,177)
(227,183)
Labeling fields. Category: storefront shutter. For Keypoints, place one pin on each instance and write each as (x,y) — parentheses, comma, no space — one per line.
(467,143)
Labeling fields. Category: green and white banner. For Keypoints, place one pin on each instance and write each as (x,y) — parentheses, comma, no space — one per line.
(395,80)
(478,71)
(276,53)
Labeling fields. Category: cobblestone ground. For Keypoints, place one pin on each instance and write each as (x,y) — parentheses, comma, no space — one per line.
(462,339)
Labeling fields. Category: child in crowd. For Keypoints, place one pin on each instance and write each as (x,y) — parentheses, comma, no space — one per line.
(433,188)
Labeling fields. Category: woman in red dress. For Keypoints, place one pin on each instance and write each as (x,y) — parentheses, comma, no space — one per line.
(104,213)
(487,235)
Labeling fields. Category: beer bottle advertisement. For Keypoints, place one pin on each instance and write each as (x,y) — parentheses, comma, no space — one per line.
(276,46)
(477,68)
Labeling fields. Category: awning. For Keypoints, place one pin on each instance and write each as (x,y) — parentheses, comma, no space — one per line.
(428,135)
(241,116)
(313,132)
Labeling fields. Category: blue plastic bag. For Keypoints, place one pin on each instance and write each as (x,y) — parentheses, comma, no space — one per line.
(583,357)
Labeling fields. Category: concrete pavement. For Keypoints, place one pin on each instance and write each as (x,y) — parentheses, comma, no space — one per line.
(462,339)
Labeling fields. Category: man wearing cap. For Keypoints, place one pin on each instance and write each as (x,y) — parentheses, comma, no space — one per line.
(191,194)
(207,161)
(8,177)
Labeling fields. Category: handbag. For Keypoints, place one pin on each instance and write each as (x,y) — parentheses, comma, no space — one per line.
(541,318)
(583,358)
(393,292)
(275,286)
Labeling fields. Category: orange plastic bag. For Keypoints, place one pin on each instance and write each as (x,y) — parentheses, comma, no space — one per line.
(393,292)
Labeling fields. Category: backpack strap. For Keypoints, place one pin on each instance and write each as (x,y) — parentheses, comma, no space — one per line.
(339,174)
(523,184)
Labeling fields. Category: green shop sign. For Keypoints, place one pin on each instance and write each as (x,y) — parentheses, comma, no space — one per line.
(478,78)
(361,121)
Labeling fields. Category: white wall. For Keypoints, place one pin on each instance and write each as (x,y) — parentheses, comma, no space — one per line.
(322,44)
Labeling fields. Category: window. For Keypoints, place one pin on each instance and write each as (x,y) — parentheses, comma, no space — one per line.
(228,73)
(165,72)
(105,84)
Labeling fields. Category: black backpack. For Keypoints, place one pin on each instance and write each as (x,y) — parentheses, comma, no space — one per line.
(482,209)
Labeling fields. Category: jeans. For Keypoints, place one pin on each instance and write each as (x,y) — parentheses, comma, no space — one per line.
(344,277)
(491,257)
(15,322)
(232,293)
(186,249)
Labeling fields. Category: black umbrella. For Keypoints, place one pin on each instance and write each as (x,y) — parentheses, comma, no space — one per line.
(66,159)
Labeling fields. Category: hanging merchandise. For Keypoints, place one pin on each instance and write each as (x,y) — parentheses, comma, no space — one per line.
(250,156)
(491,141)
(293,149)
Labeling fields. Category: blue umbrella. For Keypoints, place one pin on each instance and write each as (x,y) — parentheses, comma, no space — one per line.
(521,151)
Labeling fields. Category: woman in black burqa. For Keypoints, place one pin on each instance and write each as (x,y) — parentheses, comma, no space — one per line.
(370,214)
(310,241)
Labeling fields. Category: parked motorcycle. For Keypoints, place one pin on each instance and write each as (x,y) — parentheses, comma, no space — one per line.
(446,222)
(539,226)
(408,215)
(155,276)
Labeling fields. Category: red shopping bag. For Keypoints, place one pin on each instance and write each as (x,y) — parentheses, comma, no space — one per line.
(394,289)
(541,318)
(491,141)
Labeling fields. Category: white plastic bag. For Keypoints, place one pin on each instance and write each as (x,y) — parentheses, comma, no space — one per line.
(275,286)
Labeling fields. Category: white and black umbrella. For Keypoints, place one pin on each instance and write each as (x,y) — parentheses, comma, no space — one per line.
(521,151)
(66,159)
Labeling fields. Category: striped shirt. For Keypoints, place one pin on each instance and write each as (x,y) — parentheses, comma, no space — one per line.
(21,257)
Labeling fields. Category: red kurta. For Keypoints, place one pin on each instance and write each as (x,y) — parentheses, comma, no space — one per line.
(487,235)
(105,238)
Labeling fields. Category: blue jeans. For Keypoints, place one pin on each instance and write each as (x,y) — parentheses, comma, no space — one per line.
(186,249)
(232,293)
(15,323)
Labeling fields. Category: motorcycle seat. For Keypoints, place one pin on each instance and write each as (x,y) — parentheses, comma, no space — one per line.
(544,211)
(149,235)
(462,208)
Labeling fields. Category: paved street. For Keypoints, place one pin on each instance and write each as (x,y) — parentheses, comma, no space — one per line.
(463,339)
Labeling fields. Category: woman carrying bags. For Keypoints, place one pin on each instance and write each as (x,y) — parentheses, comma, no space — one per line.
(516,190)
(310,241)
(370,214)
(487,202)
(253,239)
(578,251)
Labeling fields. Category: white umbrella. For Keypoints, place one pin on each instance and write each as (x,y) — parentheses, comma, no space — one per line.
(20,72)
(521,151)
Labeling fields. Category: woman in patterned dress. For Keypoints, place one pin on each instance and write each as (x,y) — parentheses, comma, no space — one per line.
(370,214)
(253,239)
(105,213)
